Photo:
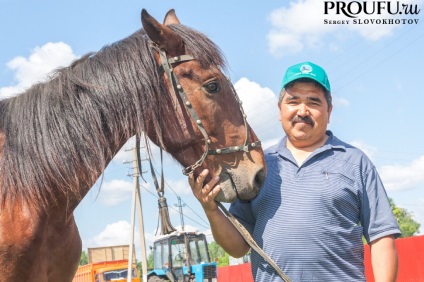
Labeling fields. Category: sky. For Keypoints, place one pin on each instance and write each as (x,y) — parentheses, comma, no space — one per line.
(375,71)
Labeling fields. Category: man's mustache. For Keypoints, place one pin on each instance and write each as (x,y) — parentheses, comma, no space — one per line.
(305,119)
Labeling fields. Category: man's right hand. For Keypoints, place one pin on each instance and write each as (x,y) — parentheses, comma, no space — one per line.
(205,193)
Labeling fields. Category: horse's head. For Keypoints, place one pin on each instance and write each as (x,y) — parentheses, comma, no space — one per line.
(203,123)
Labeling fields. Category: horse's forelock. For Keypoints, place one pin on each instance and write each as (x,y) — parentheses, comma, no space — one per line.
(200,47)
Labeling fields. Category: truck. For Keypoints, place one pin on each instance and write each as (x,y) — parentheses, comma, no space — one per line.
(106,264)
(182,257)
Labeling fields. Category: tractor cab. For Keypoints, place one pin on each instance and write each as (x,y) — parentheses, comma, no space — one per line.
(182,256)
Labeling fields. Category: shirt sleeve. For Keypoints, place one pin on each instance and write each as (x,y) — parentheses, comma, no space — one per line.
(243,212)
(377,217)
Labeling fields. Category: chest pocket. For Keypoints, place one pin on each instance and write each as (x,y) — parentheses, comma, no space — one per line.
(336,177)
(341,194)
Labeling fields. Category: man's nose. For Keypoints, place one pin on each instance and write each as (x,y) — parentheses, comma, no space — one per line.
(302,110)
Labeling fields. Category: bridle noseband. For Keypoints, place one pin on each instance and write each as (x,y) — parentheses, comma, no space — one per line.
(168,69)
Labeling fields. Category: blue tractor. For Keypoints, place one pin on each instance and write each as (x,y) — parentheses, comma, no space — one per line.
(182,257)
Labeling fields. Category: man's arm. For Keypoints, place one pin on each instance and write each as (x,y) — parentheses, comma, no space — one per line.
(223,231)
(384,259)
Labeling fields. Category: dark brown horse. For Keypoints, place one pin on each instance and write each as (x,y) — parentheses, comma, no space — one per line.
(57,138)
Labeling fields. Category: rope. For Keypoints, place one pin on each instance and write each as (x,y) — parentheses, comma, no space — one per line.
(249,240)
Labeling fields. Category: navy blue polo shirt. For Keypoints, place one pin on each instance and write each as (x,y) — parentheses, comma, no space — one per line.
(310,219)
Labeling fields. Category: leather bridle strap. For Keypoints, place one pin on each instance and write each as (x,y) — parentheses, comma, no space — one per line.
(246,147)
(177,88)
(249,240)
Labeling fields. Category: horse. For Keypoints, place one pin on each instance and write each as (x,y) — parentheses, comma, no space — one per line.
(165,82)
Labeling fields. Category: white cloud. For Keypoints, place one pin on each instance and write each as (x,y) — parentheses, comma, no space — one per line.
(42,61)
(398,177)
(301,25)
(367,149)
(117,233)
(115,192)
(296,27)
(180,187)
(280,43)
(260,106)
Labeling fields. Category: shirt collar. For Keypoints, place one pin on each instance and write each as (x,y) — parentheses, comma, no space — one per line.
(332,143)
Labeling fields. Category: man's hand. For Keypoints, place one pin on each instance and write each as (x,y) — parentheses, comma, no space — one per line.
(205,194)
(224,232)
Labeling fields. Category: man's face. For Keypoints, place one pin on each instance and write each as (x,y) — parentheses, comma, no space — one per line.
(304,114)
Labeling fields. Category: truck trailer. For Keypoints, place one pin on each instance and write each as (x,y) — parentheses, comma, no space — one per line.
(106,264)
(105,271)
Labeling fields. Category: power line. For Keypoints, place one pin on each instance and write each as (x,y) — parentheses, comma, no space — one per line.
(200,224)
(176,194)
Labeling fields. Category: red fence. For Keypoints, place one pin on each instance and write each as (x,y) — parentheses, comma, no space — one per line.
(235,273)
(411,260)
(411,264)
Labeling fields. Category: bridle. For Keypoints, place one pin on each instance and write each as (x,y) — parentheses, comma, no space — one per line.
(167,64)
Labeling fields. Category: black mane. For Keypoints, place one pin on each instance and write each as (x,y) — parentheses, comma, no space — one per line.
(60,134)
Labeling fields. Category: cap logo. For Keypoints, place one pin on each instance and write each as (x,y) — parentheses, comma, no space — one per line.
(305,69)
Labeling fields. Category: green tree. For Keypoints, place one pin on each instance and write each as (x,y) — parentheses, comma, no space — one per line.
(224,261)
(149,264)
(217,253)
(84,258)
(150,261)
(139,268)
(407,225)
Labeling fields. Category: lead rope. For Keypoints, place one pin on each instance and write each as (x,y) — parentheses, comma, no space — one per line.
(249,240)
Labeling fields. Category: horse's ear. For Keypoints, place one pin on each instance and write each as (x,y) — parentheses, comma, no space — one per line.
(162,35)
(171,18)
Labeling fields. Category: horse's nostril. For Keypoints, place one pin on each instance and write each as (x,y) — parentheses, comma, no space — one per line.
(260,178)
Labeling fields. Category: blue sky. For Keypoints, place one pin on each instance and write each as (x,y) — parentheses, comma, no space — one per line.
(375,71)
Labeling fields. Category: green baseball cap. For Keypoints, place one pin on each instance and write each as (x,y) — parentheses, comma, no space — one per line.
(306,70)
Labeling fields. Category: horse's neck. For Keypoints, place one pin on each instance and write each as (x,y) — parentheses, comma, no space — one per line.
(58,156)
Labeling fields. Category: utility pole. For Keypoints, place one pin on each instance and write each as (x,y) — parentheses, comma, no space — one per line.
(180,206)
(136,205)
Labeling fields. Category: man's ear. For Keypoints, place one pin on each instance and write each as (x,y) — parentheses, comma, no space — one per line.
(330,109)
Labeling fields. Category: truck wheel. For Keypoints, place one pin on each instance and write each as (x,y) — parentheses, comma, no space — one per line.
(155,278)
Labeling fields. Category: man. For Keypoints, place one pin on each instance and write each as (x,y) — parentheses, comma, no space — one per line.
(320,196)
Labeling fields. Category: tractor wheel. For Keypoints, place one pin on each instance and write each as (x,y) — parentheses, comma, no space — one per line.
(155,278)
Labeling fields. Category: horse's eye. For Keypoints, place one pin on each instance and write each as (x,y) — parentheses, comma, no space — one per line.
(212,87)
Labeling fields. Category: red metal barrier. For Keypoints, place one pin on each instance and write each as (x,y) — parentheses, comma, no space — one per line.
(410,254)
(411,260)
(235,273)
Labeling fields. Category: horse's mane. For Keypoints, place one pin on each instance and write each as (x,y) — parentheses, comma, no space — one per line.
(60,134)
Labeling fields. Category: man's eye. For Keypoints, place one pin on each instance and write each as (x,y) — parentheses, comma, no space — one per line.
(212,87)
